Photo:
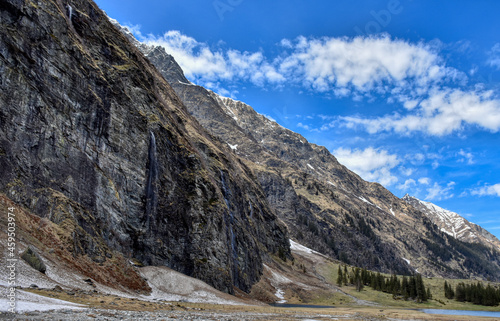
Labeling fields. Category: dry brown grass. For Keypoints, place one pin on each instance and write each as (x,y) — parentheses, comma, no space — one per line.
(55,241)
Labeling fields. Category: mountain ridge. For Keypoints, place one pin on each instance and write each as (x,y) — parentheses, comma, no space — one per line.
(117,158)
(453,224)
(324,205)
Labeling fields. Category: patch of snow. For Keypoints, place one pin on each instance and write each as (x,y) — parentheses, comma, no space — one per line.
(294,246)
(331,183)
(310,167)
(169,285)
(187,84)
(53,276)
(233,147)
(447,232)
(451,219)
(392,212)
(229,111)
(407,261)
(365,200)
(277,280)
(280,294)
(27,302)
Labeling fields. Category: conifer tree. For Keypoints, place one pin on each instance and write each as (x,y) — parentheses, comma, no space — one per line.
(405,288)
(448,291)
(340,277)
(420,289)
(358,282)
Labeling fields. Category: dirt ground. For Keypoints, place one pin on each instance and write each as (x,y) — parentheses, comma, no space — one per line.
(110,307)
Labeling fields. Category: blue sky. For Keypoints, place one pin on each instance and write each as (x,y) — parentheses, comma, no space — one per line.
(405,93)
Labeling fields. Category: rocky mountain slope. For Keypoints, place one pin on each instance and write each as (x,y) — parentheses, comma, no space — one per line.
(115,160)
(97,145)
(324,205)
(453,224)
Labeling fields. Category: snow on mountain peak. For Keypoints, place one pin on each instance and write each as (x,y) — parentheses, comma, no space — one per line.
(452,223)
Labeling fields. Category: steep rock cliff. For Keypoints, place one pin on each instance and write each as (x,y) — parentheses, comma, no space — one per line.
(95,140)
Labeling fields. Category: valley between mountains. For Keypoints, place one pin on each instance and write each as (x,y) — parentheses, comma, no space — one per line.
(132,183)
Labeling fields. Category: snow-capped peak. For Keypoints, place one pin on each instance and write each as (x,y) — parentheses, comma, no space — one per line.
(451,223)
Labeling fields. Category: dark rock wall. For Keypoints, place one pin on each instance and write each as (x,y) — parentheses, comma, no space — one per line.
(93,138)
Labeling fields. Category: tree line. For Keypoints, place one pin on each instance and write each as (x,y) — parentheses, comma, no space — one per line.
(475,293)
(408,288)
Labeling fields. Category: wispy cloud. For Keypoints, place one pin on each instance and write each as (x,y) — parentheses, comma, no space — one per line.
(415,186)
(371,164)
(445,110)
(494,56)
(467,157)
(424,180)
(489,190)
(407,185)
(437,192)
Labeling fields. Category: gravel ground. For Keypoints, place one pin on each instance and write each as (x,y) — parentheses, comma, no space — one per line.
(111,315)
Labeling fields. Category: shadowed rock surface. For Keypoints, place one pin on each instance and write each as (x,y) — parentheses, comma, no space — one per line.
(94,139)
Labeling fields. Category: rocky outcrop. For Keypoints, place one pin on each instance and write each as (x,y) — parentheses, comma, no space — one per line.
(33,259)
(324,205)
(94,139)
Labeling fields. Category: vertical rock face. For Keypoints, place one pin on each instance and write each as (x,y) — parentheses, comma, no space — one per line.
(93,138)
(152,181)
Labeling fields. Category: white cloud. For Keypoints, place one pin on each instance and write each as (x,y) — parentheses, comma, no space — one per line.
(364,64)
(443,112)
(437,192)
(491,190)
(416,159)
(424,180)
(494,56)
(406,171)
(306,127)
(269,117)
(413,74)
(409,183)
(205,65)
(467,157)
(371,164)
